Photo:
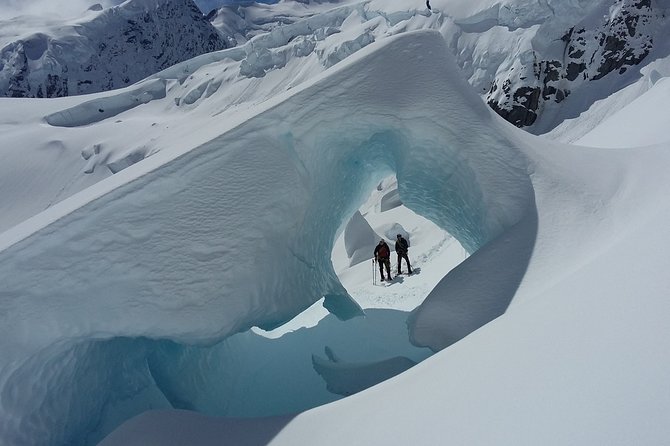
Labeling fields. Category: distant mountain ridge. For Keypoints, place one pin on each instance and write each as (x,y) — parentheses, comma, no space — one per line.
(523,59)
(622,39)
(106,49)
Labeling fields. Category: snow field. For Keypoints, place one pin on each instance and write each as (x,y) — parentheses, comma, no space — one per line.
(569,238)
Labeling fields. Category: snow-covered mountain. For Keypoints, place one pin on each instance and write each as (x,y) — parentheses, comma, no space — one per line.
(602,38)
(525,58)
(105,49)
(243,21)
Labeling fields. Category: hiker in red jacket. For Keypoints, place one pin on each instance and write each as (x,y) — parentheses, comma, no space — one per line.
(383,257)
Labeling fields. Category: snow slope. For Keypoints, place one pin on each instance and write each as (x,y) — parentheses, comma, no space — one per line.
(310,39)
(229,221)
(579,357)
(246,226)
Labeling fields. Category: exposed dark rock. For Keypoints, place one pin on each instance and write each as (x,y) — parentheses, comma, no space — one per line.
(627,38)
(55,86)
(561,94)
(574,69)
(117,47)
(517,115)
(575,53)
(622,41)
(551,71)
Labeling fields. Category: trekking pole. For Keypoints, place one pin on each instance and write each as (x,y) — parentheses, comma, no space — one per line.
(373,273)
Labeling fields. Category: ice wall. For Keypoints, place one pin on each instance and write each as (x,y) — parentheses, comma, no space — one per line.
(359,239)
(248,375)
(238,232)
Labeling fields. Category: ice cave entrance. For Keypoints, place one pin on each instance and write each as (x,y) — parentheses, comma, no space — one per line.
(433,253)
(316,358)
(456,181)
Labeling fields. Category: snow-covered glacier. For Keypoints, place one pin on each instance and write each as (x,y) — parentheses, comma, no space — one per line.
(198,244)
(231,224)
(580,354)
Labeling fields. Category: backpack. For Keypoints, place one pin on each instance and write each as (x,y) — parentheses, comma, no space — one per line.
(384,251)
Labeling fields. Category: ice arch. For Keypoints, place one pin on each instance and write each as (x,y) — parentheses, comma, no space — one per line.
(238,232)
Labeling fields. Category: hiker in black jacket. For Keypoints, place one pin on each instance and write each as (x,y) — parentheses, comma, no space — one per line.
(383,257)
(401,247)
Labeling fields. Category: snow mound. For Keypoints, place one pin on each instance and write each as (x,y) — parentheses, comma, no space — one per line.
(108,106)
(390,200)
(359,239)
(617,132)
(349,378)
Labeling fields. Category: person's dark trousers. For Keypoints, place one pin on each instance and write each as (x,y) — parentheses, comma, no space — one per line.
(386,262)
(403,256)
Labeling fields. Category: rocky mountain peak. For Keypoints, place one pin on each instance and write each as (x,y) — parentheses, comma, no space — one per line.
(621,40)
(111,49)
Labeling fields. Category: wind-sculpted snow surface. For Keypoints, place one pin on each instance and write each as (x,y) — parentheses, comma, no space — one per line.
(345,378)
(581,354)
(237,232)
(105,107)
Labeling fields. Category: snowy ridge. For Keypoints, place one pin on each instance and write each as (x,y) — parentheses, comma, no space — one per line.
(557,58)
(102,108)
(243,21)
(526,58)
(106,49)
(597,118)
